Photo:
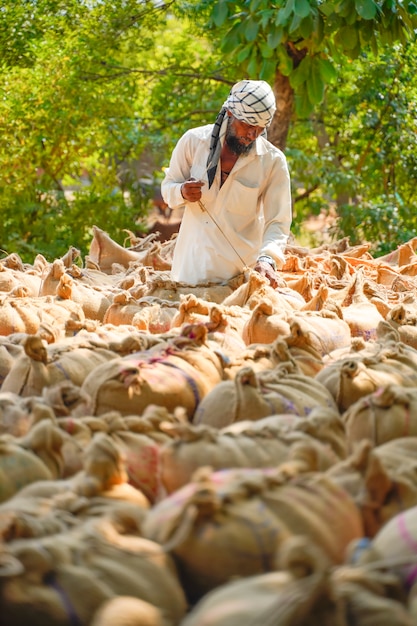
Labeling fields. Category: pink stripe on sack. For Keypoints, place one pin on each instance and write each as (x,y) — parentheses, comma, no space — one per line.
(405,535)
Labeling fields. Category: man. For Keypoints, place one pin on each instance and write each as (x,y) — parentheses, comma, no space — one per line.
(235,186)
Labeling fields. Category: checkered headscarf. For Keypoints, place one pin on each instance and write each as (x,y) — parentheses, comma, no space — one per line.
(251,101)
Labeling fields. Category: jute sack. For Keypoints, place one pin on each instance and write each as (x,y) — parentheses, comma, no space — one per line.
(386,414)
(299,592)
(128,611)
(224,324)
(371,595)
(381,480)
(9,351)
(404,322)
(199,446)
(18,467)
(19,276)
(105,253)
(141,450)
(150,314)
(92,299)
(215,530)
(254,289)
(352,378)
(216,524)
(155,317)
(163,287)
(393,548)
(264,325)
(18,415)
(256,395)
(180,374)
(18,315)
(325,329)
(43,366)
(103,474)
(68,577)
(254,446)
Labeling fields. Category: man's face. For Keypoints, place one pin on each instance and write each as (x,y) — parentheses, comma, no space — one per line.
(241,136)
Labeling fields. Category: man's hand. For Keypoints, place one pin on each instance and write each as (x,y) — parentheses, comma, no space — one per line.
(191,190)
(265,269)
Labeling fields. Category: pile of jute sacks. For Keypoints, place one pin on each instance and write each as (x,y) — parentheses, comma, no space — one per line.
(217,455)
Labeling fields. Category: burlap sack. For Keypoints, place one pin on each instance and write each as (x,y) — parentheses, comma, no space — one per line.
(67,578)
(17,414)
(354,377)
(106,253)
(19,276)
(18,467)
(264,326)
(264,443)
(298,593)
(224,324)
(255,395)
(43,366)
(388,413)
(216,525)
(18,315)
(325,329)
(178,375)
(94,300)
(393,548)
(215,531)
(128,611)
(255,289)
(160,285)
(381,480)
(148,314)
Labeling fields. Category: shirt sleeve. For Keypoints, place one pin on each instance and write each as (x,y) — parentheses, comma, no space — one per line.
(179,170)
(277,211)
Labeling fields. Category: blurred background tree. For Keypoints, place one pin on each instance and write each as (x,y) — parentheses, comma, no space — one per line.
(96,93)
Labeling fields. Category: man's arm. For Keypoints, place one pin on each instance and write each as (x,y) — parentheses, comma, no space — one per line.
(277,211)
(179,171)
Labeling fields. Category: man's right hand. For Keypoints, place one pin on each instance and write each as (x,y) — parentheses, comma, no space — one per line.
(191,190)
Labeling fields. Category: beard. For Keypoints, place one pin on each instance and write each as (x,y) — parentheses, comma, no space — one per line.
(234,143)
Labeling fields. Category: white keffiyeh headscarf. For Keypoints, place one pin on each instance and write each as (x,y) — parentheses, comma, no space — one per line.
(251,101)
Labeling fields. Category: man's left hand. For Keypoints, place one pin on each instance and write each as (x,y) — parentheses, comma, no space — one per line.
(265,269)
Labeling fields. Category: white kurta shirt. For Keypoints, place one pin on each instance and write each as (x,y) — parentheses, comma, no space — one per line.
(252,209)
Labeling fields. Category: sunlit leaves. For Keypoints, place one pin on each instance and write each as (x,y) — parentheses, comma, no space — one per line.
(367,9)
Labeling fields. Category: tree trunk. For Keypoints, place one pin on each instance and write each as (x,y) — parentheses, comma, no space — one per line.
(284,95)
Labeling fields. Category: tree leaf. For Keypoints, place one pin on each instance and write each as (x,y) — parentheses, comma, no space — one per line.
(266,51)
(315,85)
(302,8)
(284,13)
(347,37)
(295,23)
(243,53)
(251,29)
(301,73)
(253,64)
(285,63)
(268,69)
(307,27)
(220,12)
(367,9)
(303,105)
(327,70)
(274,37)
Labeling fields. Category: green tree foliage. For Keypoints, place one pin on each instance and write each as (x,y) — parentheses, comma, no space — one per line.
(358,151)
(98,91)
(70,105)
(305,39)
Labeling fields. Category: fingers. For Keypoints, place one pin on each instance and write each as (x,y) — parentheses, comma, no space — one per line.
(191,190)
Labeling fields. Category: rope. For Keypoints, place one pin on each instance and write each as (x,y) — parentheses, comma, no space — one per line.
(204,209)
